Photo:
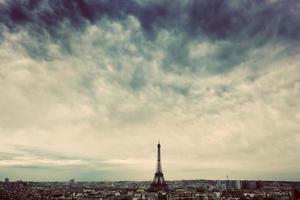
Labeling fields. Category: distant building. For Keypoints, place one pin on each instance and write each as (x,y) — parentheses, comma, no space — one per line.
(6,180)
(248,185)
(259,185)
(71,182)
(245,185)
(238,184)
(218,185)
(223,187)
(233,184)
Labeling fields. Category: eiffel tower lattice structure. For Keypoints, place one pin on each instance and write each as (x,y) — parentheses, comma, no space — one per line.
(158,184)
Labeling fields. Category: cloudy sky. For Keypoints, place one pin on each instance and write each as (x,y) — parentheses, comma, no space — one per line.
(87,87)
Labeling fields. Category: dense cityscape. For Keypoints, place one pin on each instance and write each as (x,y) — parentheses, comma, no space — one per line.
(178,190)
(157,189)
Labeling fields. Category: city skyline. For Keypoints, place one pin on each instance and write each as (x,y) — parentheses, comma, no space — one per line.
(87,88)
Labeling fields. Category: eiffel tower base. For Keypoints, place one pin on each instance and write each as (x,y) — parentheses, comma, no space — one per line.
(158,188)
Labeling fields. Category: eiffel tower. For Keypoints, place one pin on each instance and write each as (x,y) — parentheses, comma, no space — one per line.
(158,184)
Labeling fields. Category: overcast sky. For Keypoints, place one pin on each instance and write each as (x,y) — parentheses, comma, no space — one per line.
(88,87)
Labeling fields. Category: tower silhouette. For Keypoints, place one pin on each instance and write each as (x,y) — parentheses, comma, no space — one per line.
(158,183)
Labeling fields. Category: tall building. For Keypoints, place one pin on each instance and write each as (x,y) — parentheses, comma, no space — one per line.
(158,183)
(238,184)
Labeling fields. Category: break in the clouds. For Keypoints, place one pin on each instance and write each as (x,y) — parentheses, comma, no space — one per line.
(87,88)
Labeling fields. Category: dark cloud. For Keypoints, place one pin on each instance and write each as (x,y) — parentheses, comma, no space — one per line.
(49,14)
(222,19)
(217,18)
(246,24)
